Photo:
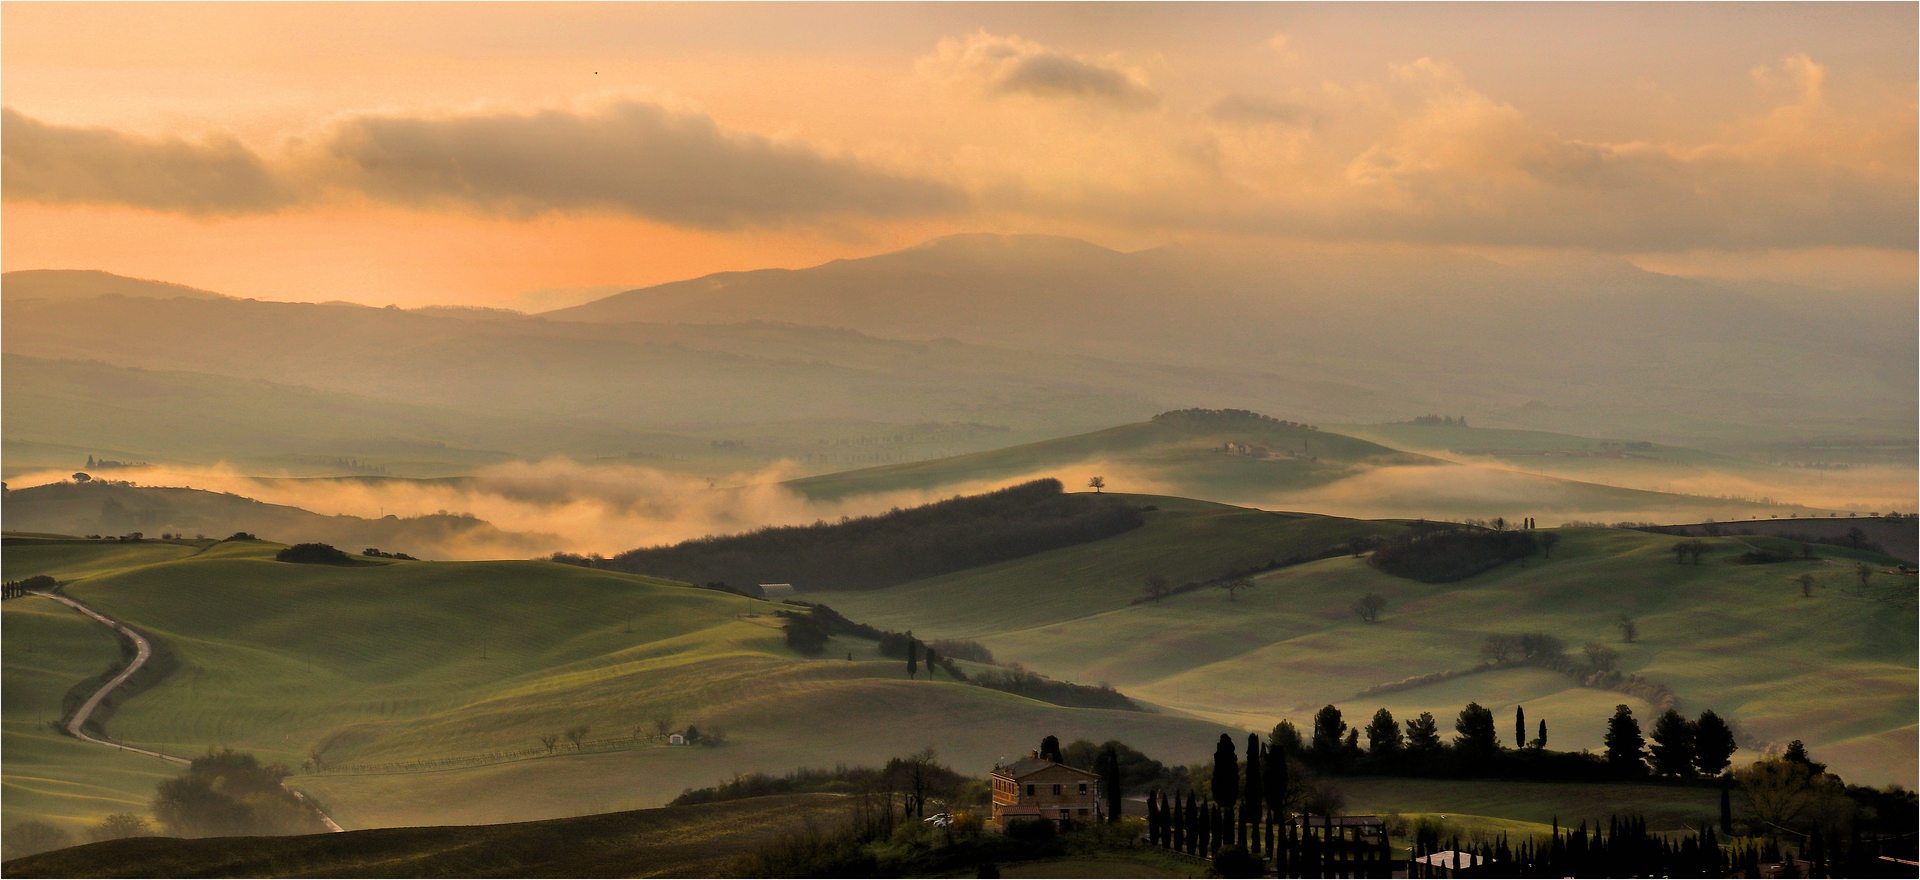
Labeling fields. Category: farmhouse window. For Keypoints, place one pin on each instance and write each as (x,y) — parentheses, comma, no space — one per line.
(1083,788)
(1029,789)
(1056,788)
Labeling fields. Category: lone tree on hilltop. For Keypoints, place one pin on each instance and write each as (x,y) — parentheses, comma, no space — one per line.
(1097,484)
(1519,726)
(1628,629)
(1370,606)
(1806,585)
(1233,585)
(1626,748)
(1158,587)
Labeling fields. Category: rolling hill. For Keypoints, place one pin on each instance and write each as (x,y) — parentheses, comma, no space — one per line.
(430,666)
(1246,459)
(1837,669)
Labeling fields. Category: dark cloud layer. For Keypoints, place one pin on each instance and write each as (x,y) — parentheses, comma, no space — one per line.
(51,163)
(1051,74)
(634,158)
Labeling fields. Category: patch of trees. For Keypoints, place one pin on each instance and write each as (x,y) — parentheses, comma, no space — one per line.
(39,583)
(963,649)
(872,552)
(1443,421)
(314,554)
(1017,679)
(1226,418)
(1441,553)
(241,536)
(377,553)
(229,793)
(934,781)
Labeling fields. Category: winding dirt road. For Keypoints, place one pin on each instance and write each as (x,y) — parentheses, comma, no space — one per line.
(143,650)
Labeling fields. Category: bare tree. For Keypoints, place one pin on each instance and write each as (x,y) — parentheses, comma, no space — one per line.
(575,734)
(1628,629)
(1806,585)
(1158,587)
(1097,483)
(549,740)
(1233,586)
(1864,572)
(1370,606)
(1602,658)
(1547,540)
(663,724)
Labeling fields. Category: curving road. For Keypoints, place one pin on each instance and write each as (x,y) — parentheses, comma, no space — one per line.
(143,651)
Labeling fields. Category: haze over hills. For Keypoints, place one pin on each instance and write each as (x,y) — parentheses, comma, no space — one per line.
(1683,359)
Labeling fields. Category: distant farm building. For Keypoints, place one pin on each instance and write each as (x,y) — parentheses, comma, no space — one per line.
(775,591)
(677,740)
(1034,788)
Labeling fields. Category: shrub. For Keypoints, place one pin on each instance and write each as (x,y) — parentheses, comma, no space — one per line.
(30,837)
(314,554)
(1031,830)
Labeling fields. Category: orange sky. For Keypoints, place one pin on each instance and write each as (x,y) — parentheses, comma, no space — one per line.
(420,153)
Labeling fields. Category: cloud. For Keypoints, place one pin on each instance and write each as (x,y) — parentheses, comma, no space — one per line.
(60,164)
(630,157)
(1011,65)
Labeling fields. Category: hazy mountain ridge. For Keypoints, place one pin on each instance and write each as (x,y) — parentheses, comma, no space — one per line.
(1438,325)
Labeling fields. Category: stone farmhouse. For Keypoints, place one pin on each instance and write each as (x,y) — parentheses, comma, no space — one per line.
(1035,788)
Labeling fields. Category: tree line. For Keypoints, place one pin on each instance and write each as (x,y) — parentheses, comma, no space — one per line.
(1441,552)
(873,552)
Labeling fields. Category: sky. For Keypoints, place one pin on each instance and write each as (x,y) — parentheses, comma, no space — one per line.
(534,155)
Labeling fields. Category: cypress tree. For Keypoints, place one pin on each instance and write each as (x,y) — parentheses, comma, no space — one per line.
(1112,783)
(1726,807)
(1050,749)
(1254,802)
(1226,773)
(1541,743)
(1519,726)
(913,656)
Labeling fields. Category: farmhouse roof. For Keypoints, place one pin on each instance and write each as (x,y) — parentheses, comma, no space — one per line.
(1028,766)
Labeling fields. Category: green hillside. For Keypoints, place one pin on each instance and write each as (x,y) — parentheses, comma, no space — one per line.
(46,649)
(404,663)
(1281,465)
(1837,669)
(1172,447)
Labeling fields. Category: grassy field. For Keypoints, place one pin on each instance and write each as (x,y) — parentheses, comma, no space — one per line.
(1837,669)
(1665,807)
(45,649)
(412,662)
(695,841)
(1652,466)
